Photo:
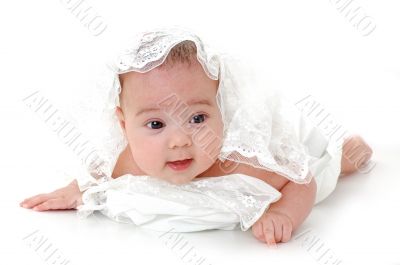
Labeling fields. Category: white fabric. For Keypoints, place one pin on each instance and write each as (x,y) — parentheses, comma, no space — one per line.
(325,155)
(260,129)
(208,203)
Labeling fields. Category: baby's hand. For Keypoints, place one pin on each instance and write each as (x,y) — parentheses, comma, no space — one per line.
(68,197)
(273,227)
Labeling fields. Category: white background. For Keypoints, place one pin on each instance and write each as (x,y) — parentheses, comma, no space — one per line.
(301,47)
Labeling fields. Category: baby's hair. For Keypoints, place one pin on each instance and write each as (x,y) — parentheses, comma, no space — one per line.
(183,52)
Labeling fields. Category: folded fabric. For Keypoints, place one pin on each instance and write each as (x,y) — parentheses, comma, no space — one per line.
(221,202)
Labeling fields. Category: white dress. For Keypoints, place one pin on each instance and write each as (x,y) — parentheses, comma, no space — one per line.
(260,129)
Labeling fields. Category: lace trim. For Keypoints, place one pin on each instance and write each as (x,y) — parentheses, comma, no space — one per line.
(243,195)
(259,134)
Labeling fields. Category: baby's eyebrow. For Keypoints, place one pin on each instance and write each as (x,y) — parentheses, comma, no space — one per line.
(191,102)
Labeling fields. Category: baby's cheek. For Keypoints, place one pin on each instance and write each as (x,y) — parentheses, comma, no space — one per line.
(208,140)
(204,161)
(146,154)
(211,151)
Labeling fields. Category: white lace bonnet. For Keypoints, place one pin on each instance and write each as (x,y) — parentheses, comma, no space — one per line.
(256,131)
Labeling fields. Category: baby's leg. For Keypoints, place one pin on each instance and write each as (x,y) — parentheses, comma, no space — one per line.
(355,156)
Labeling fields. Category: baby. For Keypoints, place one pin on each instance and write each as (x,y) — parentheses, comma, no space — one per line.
(162,144)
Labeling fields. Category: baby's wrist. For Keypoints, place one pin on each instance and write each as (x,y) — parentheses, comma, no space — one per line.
(284,213)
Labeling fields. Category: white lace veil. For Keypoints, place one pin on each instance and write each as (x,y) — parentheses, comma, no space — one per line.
(256,129)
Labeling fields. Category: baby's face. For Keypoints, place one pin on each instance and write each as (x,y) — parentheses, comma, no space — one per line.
(170,114)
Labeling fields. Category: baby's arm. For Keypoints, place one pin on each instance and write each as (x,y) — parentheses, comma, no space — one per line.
(287,214)
(296,202)
(70,196)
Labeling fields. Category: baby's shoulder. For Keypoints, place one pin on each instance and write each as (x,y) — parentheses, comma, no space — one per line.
(228,167)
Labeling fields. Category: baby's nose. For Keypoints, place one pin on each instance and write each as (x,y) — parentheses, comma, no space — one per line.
(179,138)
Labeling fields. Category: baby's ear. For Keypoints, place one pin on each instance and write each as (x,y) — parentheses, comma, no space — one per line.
(121,118)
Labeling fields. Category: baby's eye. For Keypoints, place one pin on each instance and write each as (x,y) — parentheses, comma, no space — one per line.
(198,118)
(155,125)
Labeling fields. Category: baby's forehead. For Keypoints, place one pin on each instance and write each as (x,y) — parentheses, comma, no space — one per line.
(159,85)
(171,103)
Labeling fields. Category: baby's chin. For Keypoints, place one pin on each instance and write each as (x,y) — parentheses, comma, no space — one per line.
(179,180)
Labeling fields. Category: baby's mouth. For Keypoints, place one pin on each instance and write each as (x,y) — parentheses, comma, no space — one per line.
(180,164)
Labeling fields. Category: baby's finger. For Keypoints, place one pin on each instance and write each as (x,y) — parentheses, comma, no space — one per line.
(278,230)
(269,234)
(34,200)
(287,232)
(52,204)
(257,231)
(26,200)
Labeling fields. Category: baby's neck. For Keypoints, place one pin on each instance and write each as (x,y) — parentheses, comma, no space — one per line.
(218,169)
(126,165)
